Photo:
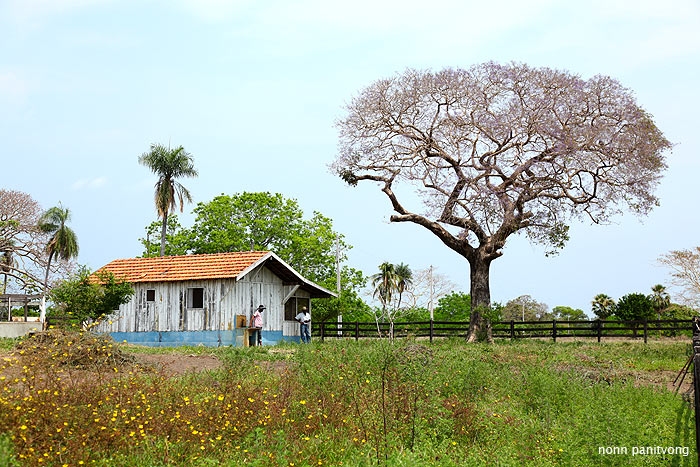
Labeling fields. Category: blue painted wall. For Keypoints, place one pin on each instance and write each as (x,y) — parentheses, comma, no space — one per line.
(193,338)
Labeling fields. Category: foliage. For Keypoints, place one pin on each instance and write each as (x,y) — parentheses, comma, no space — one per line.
(177,241)
(169,165)
(266,221)
(525,308)
(603,306)
(660,299)
(345,403)
(23,245)
(63,242)
(634,307)
(684,266)
(86,297)
(455,306)
(566,313)
(498,149)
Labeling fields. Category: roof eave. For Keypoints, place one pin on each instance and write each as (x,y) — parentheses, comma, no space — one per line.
(315,290)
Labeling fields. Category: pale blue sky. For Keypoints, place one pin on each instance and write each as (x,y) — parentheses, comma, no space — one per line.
(252,90)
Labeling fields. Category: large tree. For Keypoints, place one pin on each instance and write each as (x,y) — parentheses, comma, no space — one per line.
(269,221)
(684,267)
(169,165)
(22,244)
(62,244)
(499,149)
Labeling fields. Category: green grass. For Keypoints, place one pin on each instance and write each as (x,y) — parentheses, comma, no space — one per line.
(7,343)
(407,403)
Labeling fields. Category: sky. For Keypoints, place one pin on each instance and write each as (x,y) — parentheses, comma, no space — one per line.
(252,89)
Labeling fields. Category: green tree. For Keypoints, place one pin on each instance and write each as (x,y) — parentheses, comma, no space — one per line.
(566,313)
(348,304)
(404,279)
(177,239)
(603,306)
(265,221)
(494,150)
(169,165)
(634,307)
(86,297)
(63,243)
(455,306)
(384,285)
(660,299)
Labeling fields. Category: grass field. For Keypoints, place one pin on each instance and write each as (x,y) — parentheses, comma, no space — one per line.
(70,399)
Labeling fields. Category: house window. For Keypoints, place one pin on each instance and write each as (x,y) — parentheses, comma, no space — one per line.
(294,306)
(151,295)
(195,297)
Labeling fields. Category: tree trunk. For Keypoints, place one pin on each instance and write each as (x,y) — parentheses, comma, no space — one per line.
(163,232)
(479,325)
(42,304)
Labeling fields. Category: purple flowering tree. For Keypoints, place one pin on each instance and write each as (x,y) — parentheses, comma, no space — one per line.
(498,149)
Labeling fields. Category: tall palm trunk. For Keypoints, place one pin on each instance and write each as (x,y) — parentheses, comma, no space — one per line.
(42,304)
(163,232)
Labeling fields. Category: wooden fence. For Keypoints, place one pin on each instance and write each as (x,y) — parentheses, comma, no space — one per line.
(508,329)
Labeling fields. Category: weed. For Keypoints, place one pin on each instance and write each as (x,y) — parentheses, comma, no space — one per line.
(71,399)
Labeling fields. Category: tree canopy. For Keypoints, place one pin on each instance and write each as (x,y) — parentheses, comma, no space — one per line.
(25,247)
(634,307)
(85,297)
(269,221)
(499,149)
(684,266)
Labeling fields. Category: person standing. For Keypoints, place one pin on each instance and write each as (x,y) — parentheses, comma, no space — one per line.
(256,324)
(304,318)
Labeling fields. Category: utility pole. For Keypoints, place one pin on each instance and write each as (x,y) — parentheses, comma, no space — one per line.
(337,283)
(430,287)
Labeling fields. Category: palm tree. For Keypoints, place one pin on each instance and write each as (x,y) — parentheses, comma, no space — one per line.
(384,283)
(603,306)
(169,165)
(404,279)
(660,299)
(62,244)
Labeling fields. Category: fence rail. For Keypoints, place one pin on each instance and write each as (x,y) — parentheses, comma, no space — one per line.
(507,329)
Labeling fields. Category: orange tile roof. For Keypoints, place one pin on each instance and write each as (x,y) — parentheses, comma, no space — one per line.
(184,268)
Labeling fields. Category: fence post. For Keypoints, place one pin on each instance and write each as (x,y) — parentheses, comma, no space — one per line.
(554,330)
(512,329)
(431,331)
(696,382)
(600,329)
(646,329)
(357,330)
(322,330)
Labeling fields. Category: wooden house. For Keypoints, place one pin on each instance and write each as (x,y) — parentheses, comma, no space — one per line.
(208,299)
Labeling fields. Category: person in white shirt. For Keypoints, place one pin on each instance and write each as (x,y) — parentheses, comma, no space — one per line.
(304,318)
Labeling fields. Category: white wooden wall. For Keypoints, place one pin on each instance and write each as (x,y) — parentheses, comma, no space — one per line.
(223,300)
